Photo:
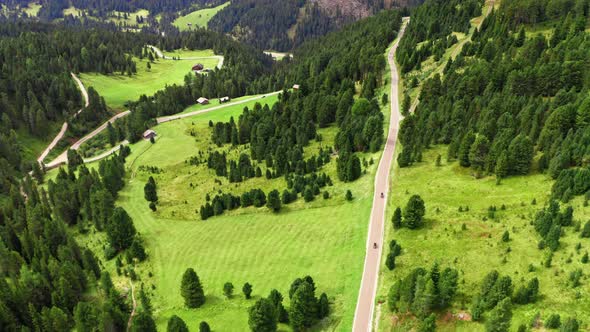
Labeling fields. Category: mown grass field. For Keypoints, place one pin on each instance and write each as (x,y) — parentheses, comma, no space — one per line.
(118,89)
(478,249)
(198,18)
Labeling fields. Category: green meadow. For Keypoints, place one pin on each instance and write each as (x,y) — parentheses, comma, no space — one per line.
(198,18)
(325,238)
(118,89)
(473,245)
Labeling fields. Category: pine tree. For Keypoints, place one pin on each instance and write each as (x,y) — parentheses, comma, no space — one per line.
(466,143)
(500,317)
(348,195)
(303,309)
(428,324)
(247,290)
(273,201)
(414,212)
(323,306)
(277,299)
(143,322)
(149,190)
(262,316)
(176,324)
(191,289)
(120,229)
(228,289)
(204,327)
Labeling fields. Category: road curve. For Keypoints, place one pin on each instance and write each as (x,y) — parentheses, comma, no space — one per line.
(160,54)
(186,115)
(363,315)
(64,127)
(63,158)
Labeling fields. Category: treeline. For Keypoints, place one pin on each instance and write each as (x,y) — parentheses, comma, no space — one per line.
(431,26)
(536,11)
(308,186)
(507,98)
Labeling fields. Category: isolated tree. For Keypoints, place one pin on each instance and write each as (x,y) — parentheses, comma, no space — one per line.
(396,220)
(228,289)
(247,290)
(204,327)
(273,201)
(414,212)
(176,324)
(500,317)
(191,289)
(348,195)
(120,229)
(149,190)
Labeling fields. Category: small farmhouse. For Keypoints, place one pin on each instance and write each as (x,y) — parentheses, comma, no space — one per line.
(203,101)
(198,67)
(149,134)
(224,99)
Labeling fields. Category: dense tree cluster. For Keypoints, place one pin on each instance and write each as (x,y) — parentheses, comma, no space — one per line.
(491,106)
(549,222)
(422,292)
(496,294)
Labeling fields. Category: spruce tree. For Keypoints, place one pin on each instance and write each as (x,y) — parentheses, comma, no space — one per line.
(176,324)
(204,327)
(303,309)
(414,212)
(273,201)
(500,317)
(120,229)
(247,290)
(262,316)
(191,289)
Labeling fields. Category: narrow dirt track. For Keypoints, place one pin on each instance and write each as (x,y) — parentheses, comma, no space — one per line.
(130,321)
(363,316)
(63,158)
(64,127)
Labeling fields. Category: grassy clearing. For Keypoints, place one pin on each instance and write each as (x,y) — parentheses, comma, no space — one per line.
(117,17)
(198,18)
(190,54)
(33,146)
(119,89)
(478,249)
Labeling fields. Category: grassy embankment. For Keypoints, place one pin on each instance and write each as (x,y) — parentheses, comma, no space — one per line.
(198,18)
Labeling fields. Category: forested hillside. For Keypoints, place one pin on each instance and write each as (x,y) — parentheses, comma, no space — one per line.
(264,24)
(509,104)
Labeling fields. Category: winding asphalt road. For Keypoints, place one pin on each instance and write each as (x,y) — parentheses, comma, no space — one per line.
(64,127)
(363,315)
(160,54)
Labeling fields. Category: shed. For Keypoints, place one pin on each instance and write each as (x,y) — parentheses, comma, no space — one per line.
(224,99)
(203,101)
(149,134)
(296,86)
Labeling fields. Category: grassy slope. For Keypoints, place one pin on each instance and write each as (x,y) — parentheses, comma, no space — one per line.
(199,18)
(325,238)
(118,89)
(471,251)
